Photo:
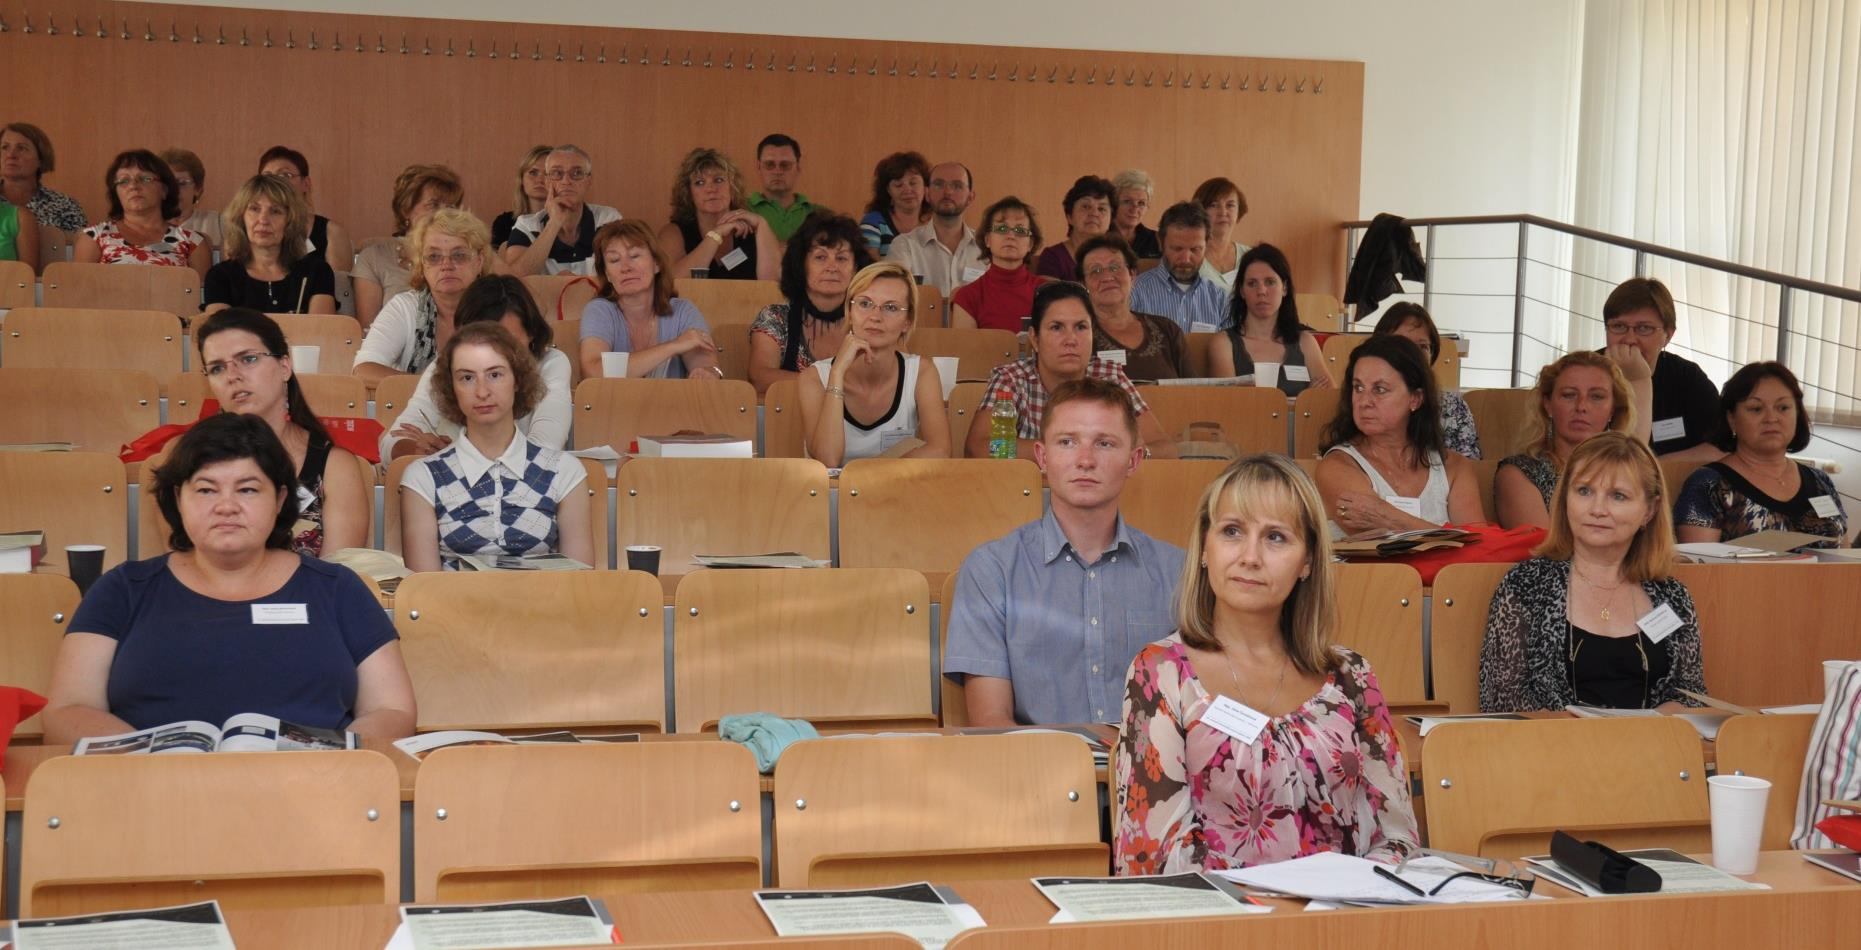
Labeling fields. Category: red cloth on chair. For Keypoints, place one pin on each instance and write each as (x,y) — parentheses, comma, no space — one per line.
(362,437)
(1844,830)
(1492,543)
(16,706)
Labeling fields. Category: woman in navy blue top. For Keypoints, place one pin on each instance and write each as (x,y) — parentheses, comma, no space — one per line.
(232,621)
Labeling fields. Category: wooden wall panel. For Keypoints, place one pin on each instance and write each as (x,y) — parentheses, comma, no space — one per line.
(1292,139)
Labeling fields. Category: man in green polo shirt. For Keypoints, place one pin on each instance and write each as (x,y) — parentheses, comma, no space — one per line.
(778,157)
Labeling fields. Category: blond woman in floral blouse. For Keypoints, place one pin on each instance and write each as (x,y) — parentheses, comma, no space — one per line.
(1248,736)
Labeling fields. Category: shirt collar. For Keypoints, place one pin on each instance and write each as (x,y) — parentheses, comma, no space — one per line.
(473,464)
(1053,541)
(926,234)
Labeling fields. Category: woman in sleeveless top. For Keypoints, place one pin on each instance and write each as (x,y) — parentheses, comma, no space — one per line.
(248,367)
(143,199)
(1580,395)
(1384,467)
(1264,327)
(711,230)
(869,397)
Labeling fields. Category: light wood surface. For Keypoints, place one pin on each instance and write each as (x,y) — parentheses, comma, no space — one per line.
(1164,498)
(145,340)
(1484,470)
(964,398)
(594,483)
(932,308)
(1499,415)
(952,703)
(733,348)
(560,297)
(1197,357)
(617,411)
(337,338)
(34,611)
(566,337)
(1771,748)
(534,649)
(391,397)
(1311,412)
(338,395)
(74,497)
(1463,594)
(1380,617)
(147,831)
(721,506)
(1501,788)
(152,531)
(837,798)
(16,285)
(174,290)
(1322,311)
(1251,418)
(97,410)
(1339,346)
(728,301)
(928,514)
(977,351)
(828,645)
(1676,473)
(527,822)
(782,436)
(1766,628)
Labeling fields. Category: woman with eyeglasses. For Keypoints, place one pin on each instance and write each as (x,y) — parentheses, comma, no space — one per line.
(870,397)
(1003,297)
(449,249)
(248,367)
(1596,617)
(382,269)
(265,268)
(821,258)
(532,193)
(1151,347)
(711,230)
(190,179)
(143,199)
(1639,318)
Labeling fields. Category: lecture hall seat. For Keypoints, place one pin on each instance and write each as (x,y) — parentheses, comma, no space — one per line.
(34,612)
(728,301)
(1462,593)
(97,410)
(74,497)
(928,514)
(172,290)
(57,338)
(615,412)
(978,352)
(1253,419)
(722,506)
(1771,748)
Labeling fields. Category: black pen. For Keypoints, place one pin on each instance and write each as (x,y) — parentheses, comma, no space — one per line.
(1391,875)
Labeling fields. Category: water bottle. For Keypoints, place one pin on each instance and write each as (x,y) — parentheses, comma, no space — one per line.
(1004,426)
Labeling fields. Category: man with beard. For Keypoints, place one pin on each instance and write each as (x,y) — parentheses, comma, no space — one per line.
(943,252)
(1178,290)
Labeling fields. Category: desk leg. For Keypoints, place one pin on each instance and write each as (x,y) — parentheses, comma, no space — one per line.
(407,852)
(13,834)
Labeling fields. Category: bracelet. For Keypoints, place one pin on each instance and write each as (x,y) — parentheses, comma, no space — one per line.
(713,235)
(719,370)
(836,391)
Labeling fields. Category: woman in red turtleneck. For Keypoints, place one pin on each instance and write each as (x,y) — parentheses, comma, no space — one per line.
(1001,296)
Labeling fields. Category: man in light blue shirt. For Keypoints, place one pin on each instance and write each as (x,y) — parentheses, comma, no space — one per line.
(1045,621)
(1177,289)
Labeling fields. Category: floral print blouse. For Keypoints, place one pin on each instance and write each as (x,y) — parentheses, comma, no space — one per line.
(1537,470)
(1327,776)
(1457,428)
(173,250)
(1716,496)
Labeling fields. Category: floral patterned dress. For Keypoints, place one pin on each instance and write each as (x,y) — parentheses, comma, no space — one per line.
(173,250)
(1327,776)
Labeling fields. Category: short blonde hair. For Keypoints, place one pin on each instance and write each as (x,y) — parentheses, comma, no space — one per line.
(1134,178)
(1651,555)
(297,218)
(697,160)
(1256,485)
(884,270)
(1537,437)
(463,225)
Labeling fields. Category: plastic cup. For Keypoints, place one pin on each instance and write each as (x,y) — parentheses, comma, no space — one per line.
(85,562)
(614,365)
(946,373)
(643,557)
(305,359)
(1737,821)
(1832,674)
(1266,375)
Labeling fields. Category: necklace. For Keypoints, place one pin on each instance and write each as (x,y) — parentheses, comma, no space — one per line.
(1279,685)
(1595,589)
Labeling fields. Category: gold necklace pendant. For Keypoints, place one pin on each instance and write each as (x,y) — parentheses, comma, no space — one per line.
(1605,613)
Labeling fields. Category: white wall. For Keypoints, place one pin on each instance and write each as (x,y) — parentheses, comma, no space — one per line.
(1469,105)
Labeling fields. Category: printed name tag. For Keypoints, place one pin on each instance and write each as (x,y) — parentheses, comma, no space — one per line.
(1408,506)
(1824,506)
(1119,356)
(1659,622)
(1235,719)
(280,613)
(1296,373)
(972,273)
(1666,429)
(1203,328)
(732,259)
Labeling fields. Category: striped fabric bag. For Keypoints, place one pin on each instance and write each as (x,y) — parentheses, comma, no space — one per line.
(1832,769)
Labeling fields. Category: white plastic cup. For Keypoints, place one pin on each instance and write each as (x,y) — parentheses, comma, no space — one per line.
(946,373)
(305,359)
(614,365)
(1266,375)
(1737,821)
(1831,674)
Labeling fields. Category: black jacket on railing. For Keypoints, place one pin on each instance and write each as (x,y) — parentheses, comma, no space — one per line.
(1388,248)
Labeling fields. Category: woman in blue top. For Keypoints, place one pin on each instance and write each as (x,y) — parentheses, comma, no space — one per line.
(637,314)
(897,206)
(232,621)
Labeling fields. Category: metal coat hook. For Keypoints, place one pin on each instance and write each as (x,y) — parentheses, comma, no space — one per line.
(268,43)
(51,26)
(1282,84)
(536,51)
(770,66)
(953,65)
(1148,77)
(3,26)
(28,17)
(220,40)
(1301,86)
(1056,73)
(914,70)
(1264,80)
(602,58)
(1225,80)
(973,70)
(833,64)
(290,39)
(622,61)
(1244,81)
(894,70)
(313,40)
(103,29)
(578,55)
(993,68)
(1092,75)
(810,62)
(1318,87)
(1130,78)
(933,70)
(1206,79)
(665,58)
(687,60)
(749,60)
(707,59)
(148,32)
(198,39)
(872,68)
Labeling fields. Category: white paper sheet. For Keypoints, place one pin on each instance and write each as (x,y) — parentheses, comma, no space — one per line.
(189,927)
(1130,898)
(919,911)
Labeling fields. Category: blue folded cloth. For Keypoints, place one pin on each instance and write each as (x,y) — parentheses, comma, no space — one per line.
(766,735)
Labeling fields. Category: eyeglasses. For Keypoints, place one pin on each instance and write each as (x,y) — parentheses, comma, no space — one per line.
(1019,231)
(458,258)
(1619,328)
(182,181)
(286,175)
(244,361)
(868,305)
(1492,871)
(1104,270)
(127,180)
(574,174)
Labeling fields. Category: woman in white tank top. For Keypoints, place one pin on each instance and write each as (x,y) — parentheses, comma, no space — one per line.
(1384,467)
(870,397)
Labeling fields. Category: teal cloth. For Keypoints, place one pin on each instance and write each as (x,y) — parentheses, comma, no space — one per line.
(765,734)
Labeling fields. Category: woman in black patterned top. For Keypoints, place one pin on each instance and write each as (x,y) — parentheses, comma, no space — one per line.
(1579,396)
(1755,486)
(1595,617)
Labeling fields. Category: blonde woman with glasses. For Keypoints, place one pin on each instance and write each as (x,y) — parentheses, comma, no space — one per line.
(449,249)
(870,397)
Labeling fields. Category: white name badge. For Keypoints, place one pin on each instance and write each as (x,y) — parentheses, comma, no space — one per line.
(1824,506)
(1235,719)
(1666,429)
(1203,328)
(1115,356)
(1659,622)
(973,273)
(1296,373)
(1408,506)
(280,613)
(732,259)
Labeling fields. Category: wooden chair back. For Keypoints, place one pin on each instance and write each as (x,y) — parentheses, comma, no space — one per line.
(728,301)
(74,497)
(895,809)
(832,646)
(1164,497)
(1339,346)
(251,830)
(145,340)
(572,292)
(566,336)
(17,285)
(1463,593)
(1499,415)
(1771,748)
(931,307)
(336,337)
(1484,471)
(392,395)
(344,285)
(953,705)
(1320,310)
(1380,617)
(332,394)
(782,436)
(1197,357)
(964,398)
(977,351)
(152,531)
(582,650)
(1312,410)
(1766,628)
(722,506)
(34,612)
(1500,788)
(538,821)
(928,514)
(617,411)
(733,349)
(1251,418)
(595,484)
(96,410)
(1676,472)
(171,290)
